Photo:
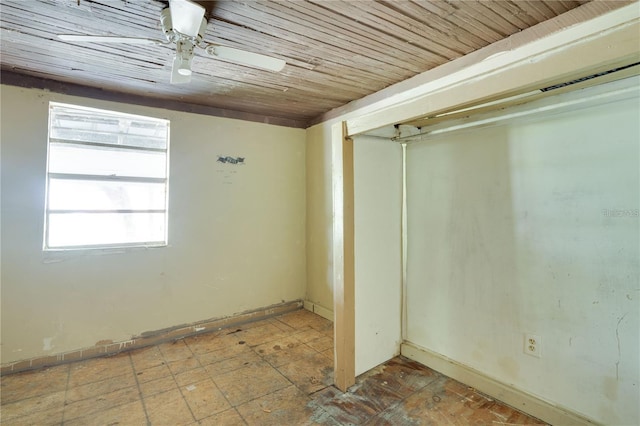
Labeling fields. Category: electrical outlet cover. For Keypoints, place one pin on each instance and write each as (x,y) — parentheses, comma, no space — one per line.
(532,345)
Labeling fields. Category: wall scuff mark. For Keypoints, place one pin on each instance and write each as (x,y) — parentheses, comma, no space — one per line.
(46,344)
(618,339)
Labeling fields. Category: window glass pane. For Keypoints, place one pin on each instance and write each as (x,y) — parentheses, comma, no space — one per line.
(66,194)
(107,127)
(110,138)
(79,159)
(100,190)
(85,229)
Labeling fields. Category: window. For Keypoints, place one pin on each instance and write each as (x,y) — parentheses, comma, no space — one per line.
(106,179)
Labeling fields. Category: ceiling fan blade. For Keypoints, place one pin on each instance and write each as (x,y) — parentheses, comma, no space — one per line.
(186,16)
(246,58)
(176,76)
(108,39)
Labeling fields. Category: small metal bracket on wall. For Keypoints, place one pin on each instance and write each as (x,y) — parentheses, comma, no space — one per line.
(404,131)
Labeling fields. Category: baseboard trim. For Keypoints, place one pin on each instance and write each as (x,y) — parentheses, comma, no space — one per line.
(320,310)
(530,404)
(150,338)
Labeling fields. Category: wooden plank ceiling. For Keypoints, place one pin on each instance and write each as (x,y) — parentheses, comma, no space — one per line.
(336,51)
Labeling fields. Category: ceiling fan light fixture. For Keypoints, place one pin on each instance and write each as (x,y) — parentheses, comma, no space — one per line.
(177,72)
(183,68)
(184,56)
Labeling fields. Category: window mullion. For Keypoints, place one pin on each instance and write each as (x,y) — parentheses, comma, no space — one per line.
(73,176)
(121,211)
(106,145)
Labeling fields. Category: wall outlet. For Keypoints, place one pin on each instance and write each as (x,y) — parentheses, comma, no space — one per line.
(532,345)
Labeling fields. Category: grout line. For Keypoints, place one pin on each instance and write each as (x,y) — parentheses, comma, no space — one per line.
(197,358)
(292,334)
(135,376)
(68,386)
(274,367)
(102,409)
(252,349)
(66,391)
(400,401)
(174,376)
(244,402)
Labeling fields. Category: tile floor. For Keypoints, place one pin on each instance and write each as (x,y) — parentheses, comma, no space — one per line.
(272,372)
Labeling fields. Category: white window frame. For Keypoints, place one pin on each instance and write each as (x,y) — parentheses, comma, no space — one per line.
(109,178)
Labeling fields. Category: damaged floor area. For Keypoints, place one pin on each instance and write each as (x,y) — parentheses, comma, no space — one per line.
(272,372)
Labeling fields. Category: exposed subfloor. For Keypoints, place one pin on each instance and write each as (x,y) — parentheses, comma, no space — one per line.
(272,372)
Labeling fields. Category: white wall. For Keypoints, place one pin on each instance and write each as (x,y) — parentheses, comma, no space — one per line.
(509,233)
(236,234)
(378,266)
(408,98)
(319,218)
(378,263)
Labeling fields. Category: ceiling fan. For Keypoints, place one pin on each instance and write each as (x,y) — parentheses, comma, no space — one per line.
(184,24)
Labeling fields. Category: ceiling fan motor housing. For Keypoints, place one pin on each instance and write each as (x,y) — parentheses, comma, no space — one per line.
(174,35)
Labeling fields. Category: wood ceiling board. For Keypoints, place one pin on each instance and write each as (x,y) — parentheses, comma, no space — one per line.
(460,18)
(336,51)
(314,42)
(442,18)
(354,42)
(98,69)
(435,29)
(515,15)
(540,10)
(94,55)
(391,32)
(404,90)
(299,57)
(541,66)
(333,74)
(296,85)
(350,29)
(62,17)
(490,18)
